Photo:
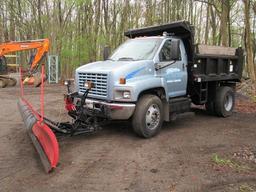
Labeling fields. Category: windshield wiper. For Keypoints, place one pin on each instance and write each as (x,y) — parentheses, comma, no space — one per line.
(126,58)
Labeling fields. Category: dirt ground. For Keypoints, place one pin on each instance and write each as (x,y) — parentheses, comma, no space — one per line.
(197,152)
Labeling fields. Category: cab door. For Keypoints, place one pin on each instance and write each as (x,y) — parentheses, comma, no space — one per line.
(172,67)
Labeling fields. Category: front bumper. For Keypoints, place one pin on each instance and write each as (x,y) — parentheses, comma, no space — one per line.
(116,111)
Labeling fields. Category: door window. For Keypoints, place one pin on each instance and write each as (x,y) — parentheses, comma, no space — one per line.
(166,52)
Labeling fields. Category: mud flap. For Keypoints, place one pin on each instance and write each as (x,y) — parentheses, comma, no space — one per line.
(41,135)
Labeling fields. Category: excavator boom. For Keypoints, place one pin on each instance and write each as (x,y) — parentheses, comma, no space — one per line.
(41,45)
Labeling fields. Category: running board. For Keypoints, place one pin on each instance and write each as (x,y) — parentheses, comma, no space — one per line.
(179,105)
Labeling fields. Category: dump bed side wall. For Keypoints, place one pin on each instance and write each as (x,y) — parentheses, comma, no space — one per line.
(213,66)
(218,67)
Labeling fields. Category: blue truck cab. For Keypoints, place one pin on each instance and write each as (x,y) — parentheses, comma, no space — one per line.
(154,75)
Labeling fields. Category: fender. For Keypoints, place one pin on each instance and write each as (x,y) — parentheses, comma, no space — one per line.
(144,83)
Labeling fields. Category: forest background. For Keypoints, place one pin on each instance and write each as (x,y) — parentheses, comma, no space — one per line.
(79,29)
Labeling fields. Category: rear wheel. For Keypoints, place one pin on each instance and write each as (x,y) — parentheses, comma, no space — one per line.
(148,116)
(224,101)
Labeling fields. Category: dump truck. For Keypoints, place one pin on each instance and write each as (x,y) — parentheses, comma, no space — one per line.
(152,77)
(157,73)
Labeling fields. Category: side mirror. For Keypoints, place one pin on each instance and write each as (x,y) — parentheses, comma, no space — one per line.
(175,50)
(106,52)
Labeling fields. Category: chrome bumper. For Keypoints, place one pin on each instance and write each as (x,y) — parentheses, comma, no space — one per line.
(117,111)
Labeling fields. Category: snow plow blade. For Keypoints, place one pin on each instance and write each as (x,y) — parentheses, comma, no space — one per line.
(41,135)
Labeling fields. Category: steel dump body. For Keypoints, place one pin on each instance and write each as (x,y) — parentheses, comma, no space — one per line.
(215,63)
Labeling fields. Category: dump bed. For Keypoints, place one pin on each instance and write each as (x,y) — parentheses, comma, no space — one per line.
(216,63)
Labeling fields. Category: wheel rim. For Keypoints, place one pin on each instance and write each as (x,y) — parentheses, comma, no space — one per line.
(228,102)
(152,116)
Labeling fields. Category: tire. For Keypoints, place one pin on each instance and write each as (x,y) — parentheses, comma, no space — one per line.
(3,83)
(224,101)
(12,82)
(147,119)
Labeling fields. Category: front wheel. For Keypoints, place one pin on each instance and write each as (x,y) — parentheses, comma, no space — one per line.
(148,116)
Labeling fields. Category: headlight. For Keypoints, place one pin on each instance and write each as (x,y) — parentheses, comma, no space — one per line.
(88,85)
(127,95)
(68,81)
(122,94)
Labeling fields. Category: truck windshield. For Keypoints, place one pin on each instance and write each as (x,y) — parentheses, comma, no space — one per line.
(136,49)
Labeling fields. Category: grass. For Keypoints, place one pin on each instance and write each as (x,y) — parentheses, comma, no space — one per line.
(227,162)
(246,188)
(253,98)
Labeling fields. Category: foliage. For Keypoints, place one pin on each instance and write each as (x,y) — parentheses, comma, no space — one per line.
(79,29)
(246,188)
(227,162)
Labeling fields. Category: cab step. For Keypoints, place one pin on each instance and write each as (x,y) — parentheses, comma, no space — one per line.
(179,105)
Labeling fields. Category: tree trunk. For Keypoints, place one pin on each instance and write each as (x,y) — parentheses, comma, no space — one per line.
(213,25)
(206,34)
(224,22)
(12,21)
(248,41)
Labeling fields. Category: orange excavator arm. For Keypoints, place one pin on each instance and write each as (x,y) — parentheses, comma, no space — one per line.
(41,45)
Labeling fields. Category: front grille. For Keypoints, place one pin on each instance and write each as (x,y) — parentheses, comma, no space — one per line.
(99,80)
